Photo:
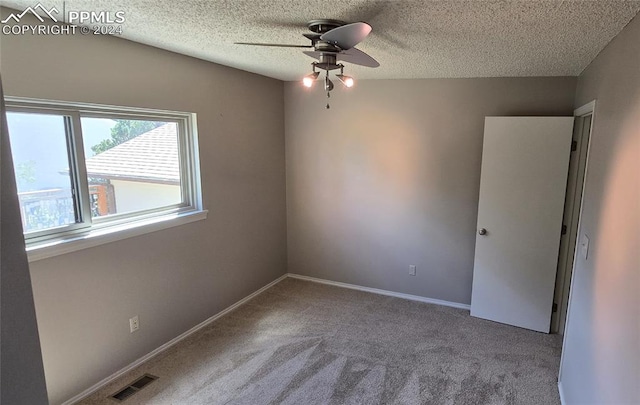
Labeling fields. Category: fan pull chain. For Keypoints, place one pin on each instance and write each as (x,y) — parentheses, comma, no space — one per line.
(328,86)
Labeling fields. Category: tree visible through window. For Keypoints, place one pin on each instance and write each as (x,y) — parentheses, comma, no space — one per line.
(124,130)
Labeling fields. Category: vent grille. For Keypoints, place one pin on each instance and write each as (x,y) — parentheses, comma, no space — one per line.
(142,381)
(133,388)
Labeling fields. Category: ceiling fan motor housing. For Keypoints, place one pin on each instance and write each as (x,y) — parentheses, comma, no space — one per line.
(324,25)
(328,61)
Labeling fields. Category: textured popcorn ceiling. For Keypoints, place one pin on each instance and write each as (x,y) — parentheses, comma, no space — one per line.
(410,39)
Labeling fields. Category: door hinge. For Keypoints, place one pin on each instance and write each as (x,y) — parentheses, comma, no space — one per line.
(574,146)
(554,308)
(564,230)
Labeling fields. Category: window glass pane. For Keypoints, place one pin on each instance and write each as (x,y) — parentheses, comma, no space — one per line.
(132,165)
(41,165)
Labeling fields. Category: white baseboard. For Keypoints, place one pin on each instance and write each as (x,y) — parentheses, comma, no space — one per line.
(203,324)
(382,292)
(167,345)
(561,392)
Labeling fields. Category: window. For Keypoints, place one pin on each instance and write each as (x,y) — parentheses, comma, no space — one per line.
(82,168)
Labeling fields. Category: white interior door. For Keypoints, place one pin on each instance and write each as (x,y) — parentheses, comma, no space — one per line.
(525,162)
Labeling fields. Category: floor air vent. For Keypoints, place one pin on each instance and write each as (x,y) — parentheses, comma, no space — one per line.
(134,387)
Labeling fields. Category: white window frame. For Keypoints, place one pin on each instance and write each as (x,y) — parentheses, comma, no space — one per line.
(88,231)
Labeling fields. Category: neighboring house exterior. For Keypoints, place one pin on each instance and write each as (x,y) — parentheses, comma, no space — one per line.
(141,173)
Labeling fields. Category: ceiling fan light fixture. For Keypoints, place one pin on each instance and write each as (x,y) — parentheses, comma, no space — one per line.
(346,80)
(309,79)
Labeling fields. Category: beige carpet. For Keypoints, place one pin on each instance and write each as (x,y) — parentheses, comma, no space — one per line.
(307,343)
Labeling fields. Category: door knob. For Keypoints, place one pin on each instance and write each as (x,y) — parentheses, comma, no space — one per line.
(482,231)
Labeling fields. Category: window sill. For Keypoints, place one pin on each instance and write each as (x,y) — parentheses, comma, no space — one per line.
(103,236)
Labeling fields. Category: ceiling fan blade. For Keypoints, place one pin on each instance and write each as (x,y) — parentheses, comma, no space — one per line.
(278,45)
(347,36)
(357,57)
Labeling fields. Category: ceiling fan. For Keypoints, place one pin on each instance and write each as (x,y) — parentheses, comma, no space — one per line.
(332,41)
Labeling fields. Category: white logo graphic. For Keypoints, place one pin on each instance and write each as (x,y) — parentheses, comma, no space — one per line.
(32,10)
(94,22)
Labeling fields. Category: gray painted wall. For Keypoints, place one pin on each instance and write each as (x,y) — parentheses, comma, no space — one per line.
(175,278)
(21,371)
(390,175)
(601,361)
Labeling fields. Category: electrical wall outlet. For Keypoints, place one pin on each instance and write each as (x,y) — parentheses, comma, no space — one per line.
(412,270)
(134,324)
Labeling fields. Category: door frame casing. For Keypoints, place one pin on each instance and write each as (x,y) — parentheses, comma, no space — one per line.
(575,189)
(589,108)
